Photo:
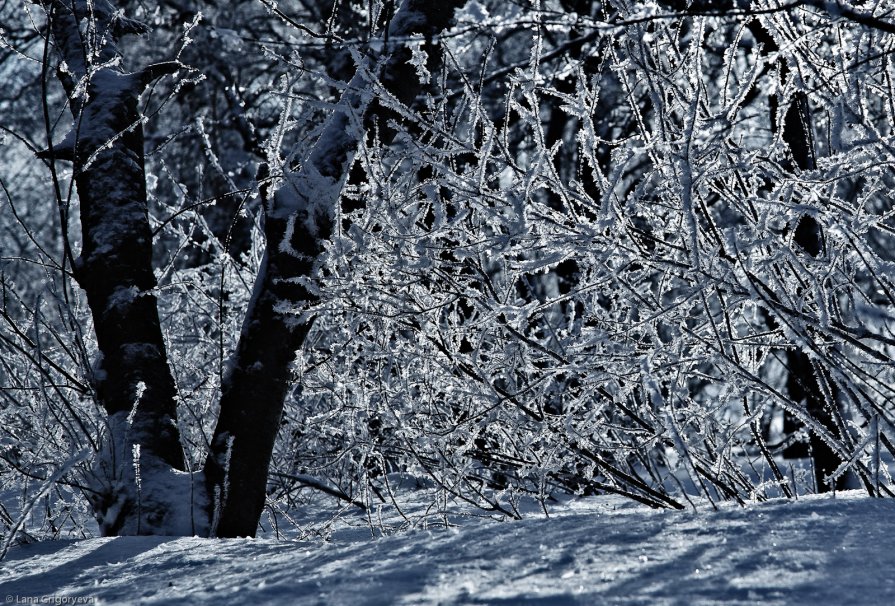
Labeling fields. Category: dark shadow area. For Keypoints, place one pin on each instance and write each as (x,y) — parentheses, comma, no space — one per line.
(76,572)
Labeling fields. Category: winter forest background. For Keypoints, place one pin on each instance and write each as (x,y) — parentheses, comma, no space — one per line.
(472,254)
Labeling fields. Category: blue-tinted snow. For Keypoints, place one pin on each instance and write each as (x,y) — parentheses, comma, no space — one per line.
(818,550)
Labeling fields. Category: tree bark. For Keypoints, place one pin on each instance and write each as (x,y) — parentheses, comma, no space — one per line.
(805,379)
(298,221)
(131,377)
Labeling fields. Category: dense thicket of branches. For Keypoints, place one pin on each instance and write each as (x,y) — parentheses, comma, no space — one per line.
(521,249)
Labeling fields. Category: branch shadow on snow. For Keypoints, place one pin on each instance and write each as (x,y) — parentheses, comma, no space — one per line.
(815,550)
(73,566)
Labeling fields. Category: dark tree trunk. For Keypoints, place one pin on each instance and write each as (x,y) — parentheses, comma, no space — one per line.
(806,380)
(131,378)
(298,220)
(140,488)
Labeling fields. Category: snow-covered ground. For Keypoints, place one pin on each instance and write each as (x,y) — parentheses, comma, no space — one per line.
(817,550)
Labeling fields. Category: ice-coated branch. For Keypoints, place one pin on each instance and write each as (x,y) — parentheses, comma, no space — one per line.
(298,221)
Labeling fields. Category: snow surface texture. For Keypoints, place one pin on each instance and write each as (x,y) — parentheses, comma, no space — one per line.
(817,550)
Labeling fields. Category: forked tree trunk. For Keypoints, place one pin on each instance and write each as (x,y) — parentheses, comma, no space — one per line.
(141,488)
